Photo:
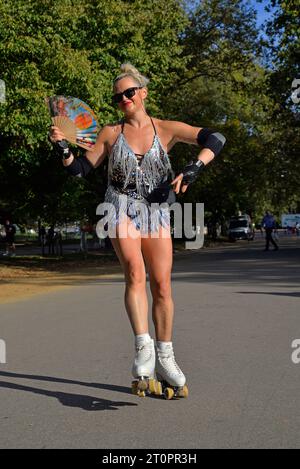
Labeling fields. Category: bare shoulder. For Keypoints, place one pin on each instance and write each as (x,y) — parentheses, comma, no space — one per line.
(105,139)
(163,125)
(111,130)
(174,126)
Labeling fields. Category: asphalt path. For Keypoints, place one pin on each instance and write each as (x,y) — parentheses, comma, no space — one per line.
(66,380)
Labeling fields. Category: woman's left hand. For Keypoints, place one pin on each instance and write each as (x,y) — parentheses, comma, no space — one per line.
(177,181)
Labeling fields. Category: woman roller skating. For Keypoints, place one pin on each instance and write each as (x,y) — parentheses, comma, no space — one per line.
(137,148)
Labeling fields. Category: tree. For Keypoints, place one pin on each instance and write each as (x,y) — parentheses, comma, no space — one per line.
(284,34)
(226,87)
(72,48)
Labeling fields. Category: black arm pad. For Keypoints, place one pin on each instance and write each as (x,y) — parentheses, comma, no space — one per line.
(79,167)
(211,139)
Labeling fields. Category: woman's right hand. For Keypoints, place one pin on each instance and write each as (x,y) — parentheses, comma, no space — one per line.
(55,134)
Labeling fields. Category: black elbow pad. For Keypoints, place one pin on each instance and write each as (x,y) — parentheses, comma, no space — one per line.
(79,167)
(211,139)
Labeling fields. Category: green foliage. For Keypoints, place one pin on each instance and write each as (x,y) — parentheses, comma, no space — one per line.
(72,48)
(205,68)
(284,34)
(226,88)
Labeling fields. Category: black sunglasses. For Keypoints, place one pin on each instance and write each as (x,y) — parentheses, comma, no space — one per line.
(117,98)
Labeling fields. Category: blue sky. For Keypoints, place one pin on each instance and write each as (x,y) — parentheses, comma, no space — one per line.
(262,16)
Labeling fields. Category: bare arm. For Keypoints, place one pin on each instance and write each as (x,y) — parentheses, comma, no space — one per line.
(95,156)
(181,132)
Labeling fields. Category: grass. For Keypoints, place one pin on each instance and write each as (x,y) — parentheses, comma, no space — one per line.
(58,263)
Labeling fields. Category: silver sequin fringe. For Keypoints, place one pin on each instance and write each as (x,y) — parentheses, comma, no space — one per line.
(147,218)
(123,167)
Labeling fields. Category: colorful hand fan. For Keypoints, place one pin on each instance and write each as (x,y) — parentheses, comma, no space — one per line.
(75,119)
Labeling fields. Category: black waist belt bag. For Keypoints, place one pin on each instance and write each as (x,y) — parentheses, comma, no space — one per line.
(162,193)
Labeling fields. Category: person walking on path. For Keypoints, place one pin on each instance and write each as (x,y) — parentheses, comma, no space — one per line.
(10,231)
(297,228)
(268,222)
(50,239)
(139,169)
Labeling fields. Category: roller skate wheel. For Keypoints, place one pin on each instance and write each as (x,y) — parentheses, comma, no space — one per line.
(155,387)
(134,387)
(141,393)
(183,392)
(152,386)
(169,393)
(159,390)
(142,384)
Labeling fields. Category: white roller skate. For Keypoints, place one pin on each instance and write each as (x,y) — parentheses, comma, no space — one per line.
(143,369)
(170,379)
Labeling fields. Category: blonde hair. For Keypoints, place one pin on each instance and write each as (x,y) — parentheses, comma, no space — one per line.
(128,70)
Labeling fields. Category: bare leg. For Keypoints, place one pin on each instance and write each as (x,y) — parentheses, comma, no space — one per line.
(158,255)
(130,256)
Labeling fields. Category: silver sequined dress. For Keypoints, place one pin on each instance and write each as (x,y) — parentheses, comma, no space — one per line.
(131,179)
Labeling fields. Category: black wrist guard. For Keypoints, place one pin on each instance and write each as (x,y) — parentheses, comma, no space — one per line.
(79,167)
(191,171)
(211,139)
(62,149)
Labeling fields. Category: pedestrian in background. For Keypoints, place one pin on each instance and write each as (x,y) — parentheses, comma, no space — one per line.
(10,231)
(50,239)
(269,224)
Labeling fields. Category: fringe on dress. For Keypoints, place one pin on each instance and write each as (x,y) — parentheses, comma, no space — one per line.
(124,173)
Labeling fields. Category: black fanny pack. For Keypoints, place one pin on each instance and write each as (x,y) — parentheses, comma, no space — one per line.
(162,193)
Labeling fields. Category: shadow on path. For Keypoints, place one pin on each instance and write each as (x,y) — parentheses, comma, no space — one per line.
(84,402)
(110,387)
(292,294)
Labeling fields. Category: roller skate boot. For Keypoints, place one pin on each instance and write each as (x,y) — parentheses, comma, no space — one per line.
(143,368)
(170,379)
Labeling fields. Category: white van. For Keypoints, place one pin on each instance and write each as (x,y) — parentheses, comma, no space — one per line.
(240,227)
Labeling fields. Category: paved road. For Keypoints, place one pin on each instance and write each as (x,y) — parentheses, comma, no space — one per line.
(66,383)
